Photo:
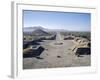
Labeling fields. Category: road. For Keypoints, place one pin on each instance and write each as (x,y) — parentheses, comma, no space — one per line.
(58,37)
(56,56)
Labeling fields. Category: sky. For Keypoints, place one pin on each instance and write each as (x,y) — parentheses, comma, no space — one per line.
(57,20)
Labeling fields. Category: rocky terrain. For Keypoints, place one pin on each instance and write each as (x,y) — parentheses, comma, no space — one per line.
(54,53)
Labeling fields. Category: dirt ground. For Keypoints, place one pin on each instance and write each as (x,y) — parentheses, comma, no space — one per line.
(56,55)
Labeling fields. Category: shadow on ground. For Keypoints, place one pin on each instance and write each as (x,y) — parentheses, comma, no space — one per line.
(83,51)
(34,53)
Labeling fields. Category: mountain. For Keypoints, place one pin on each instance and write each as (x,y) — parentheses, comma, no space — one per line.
(40,32)
(36,30)
(31,29)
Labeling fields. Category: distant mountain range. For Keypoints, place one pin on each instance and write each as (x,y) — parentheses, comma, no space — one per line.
(40,32)
(32,29)
(37,30)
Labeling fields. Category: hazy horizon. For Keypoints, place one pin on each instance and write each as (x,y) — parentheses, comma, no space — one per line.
(57,20)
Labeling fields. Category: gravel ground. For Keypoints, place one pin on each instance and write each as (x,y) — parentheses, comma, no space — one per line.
(56,55)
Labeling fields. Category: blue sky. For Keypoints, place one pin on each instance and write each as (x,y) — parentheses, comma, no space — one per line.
(58,20)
